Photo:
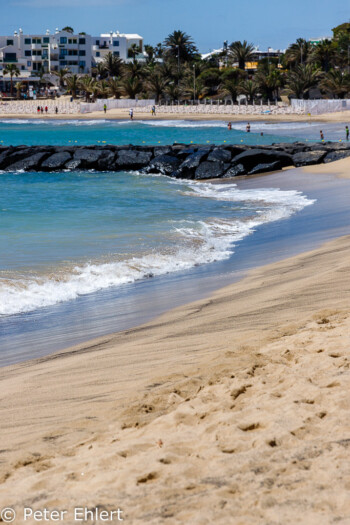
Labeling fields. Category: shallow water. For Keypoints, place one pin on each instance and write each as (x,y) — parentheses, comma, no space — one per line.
(84,254)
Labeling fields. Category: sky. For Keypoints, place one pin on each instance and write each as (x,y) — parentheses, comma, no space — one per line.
(267,23)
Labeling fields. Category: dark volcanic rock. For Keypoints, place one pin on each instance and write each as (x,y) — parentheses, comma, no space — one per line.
(132,160)
(106,161)
(162,150)
(165,164)
(220,154)
(307,158)
(263,168)
(88,157)
(235,171)
(253,157)
(73,164)
(56,161)
(336,155)
(32,162)
(190,164)
(210,170)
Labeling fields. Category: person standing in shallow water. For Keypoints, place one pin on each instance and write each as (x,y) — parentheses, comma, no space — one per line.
(347,132)
(321,135)
(248,128)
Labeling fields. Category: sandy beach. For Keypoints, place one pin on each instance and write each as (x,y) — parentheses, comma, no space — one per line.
(123,114)
(232,409)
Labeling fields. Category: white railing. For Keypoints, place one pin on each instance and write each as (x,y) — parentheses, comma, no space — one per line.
(320,106)
(30,107)
(120,103)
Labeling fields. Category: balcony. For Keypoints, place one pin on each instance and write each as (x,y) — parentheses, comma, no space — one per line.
(36,46)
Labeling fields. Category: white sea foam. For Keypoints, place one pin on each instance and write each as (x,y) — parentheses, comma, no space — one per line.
(200,242)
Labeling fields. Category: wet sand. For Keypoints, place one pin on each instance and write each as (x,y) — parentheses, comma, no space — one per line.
(231,409)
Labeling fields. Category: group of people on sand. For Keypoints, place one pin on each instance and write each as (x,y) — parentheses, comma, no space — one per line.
(40,110)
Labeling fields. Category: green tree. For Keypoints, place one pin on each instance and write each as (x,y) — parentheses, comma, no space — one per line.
(179,45)
(156,84)
(241,52)
(302,79)
(249,88)
(114,87)
(299,52)
(73,83)
(130,87)
(87,84)
(13,71)
(336,83)
(113,65)
(61,74)
(69,29)
(133,51)
(323,54)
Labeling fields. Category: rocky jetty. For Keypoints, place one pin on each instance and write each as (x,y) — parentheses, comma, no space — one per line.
(183,161)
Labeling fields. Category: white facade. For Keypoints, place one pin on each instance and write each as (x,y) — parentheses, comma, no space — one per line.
(116,43)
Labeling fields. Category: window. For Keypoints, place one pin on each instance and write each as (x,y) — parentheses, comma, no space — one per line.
(63,40)
(72,41)
(63,62)
(82,41)
(36,41)
(22,68)
(46,39)
(116,43)
(82,63)
(82,52)
(97,42)
(27,41)
(28,53)
(10,57)
(63,52)
(9,42)
(72,52)
(116,53)
(98,53)
(29,63)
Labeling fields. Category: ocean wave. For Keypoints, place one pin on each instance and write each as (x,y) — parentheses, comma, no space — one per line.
(198,242)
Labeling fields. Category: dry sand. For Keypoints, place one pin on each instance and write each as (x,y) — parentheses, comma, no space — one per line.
(230,410)
(123,114)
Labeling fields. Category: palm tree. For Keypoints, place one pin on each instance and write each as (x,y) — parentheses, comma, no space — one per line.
(302,79)
(133,51)
(150,51)
(323,54)
(299,52)
(114,87)
(73,83)
(99,71)
(130,87)
(134,70)
(156,84)
(87,84)
(249,88)
(269,81)
(336,83)
(231,88)
(103,88)
(113,65)
(241,52)
(13,71)
(19,86)
(180,45)
(61,74)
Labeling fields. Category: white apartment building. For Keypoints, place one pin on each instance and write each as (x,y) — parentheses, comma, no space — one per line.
(117,43)
(62,49)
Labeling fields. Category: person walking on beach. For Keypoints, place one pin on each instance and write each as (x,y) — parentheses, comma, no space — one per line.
(248,128)
(56,110)
(38,109)
(347,132)
(153,111)
(131,113)
(105,108)
(46,109)
(321,135)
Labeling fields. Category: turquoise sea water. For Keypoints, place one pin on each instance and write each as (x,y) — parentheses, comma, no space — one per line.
(64,236)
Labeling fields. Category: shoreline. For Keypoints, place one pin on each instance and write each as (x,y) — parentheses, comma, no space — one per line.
(236,398)
(117,114)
